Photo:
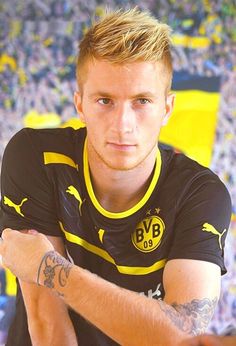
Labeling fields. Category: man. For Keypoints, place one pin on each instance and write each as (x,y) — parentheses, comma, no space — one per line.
(137,220)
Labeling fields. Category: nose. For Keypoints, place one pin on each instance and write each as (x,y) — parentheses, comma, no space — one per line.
(123,119)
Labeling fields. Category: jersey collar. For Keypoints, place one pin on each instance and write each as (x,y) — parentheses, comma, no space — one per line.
(136,207)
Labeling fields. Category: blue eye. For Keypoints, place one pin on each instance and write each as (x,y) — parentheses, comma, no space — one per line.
(104,101)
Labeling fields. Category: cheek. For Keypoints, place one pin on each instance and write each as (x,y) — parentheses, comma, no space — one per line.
(152,134)
(95,129)
(151,125)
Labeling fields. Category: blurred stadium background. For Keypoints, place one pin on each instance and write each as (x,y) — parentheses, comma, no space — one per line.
(38,45)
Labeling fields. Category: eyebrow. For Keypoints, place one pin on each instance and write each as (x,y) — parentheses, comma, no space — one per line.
(111,96)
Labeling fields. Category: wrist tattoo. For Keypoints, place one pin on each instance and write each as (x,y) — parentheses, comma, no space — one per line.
(193,317)
(55,269)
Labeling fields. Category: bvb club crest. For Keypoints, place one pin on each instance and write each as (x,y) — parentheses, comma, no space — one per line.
(148,234)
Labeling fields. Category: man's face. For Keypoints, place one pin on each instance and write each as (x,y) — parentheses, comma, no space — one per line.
(124,107)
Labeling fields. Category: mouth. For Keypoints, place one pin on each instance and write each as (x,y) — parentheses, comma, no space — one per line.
(122,146)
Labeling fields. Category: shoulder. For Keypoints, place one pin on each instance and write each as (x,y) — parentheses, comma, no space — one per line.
(28,141)
(180,163)
(55,135)
(182,167)
(191,178)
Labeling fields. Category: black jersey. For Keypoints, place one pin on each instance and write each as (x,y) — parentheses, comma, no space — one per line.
(46,186)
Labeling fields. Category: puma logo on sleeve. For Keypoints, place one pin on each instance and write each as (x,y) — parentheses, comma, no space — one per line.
(17,207)
(209,228)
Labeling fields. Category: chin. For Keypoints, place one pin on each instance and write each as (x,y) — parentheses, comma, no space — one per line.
(122,166)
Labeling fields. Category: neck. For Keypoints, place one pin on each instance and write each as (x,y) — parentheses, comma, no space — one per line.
(120,190)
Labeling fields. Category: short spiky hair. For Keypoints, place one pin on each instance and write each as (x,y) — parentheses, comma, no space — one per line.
(126,36)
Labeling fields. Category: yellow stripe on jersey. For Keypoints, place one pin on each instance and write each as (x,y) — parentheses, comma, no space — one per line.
(10,283)
(86,245)
(105,255)
(142,270)
(130,211)
(55,158)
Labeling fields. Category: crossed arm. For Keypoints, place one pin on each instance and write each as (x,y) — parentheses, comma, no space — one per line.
(48,319)
(192,289)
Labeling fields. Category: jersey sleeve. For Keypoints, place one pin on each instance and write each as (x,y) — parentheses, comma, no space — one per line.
(202,222)
(27,199)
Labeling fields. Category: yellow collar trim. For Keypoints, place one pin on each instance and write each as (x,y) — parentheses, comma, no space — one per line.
(130,211)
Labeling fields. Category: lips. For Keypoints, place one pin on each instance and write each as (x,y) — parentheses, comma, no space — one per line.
(122,146)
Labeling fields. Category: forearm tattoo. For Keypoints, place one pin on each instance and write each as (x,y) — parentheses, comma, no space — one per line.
(55,269)
(193,317)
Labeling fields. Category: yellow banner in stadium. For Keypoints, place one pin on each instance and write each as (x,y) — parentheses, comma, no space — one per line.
(192,125)
(190,41)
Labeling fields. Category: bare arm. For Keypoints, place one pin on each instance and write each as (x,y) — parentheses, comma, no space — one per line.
(188,307)
(192,289)
(48,319)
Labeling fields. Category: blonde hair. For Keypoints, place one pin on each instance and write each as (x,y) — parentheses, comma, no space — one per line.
(126,36)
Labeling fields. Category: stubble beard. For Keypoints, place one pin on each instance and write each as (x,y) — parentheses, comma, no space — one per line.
(125,167)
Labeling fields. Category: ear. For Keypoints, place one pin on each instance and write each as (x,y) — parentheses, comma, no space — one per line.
(78,104)
(170,100)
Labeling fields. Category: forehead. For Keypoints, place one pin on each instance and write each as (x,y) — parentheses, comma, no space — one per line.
(133,76)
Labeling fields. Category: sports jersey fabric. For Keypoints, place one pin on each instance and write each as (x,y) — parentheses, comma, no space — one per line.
(46,186)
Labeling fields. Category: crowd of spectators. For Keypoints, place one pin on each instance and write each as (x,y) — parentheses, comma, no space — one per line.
(38,45)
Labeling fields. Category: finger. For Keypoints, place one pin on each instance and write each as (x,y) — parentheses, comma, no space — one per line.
(24,231)
(32,231)
(28,231)
(6,232)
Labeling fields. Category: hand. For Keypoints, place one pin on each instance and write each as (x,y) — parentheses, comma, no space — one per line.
(210,340)
(22,253)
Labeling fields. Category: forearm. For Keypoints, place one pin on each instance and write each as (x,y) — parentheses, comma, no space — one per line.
(112,308)
(51,334)
(48,319)
(125,316)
